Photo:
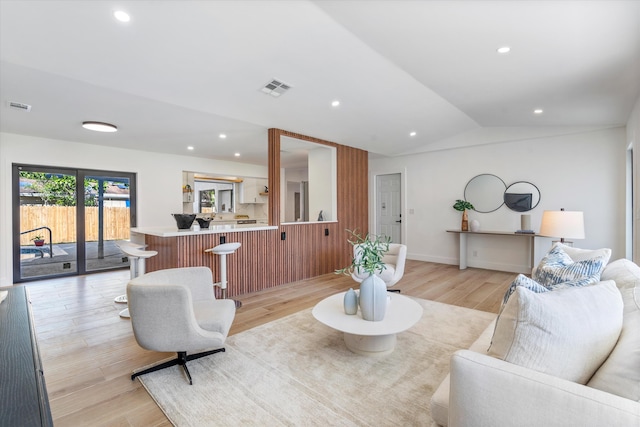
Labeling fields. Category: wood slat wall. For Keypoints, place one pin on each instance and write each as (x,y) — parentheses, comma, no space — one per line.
(265,260)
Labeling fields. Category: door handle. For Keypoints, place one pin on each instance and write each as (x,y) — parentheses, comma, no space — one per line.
(399,220)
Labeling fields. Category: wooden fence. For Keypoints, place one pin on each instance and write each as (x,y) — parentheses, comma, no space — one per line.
(62,222)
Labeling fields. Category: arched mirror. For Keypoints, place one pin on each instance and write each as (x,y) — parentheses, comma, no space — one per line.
(485,192)
(521,196)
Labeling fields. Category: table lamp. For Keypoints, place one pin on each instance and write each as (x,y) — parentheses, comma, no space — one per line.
(563,224)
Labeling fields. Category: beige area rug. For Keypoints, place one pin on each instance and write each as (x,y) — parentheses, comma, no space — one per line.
(296,371)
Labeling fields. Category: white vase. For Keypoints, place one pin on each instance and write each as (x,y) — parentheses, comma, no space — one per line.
(373,298)
(474,225)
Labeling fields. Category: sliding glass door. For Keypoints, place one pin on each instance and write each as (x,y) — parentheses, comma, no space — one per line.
(67,221)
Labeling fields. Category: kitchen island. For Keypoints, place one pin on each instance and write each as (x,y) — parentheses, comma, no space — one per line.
(249,269)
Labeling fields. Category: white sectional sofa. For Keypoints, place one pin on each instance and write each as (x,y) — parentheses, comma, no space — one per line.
(482,390)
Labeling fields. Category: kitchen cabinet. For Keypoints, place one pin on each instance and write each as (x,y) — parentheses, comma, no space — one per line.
(251,189)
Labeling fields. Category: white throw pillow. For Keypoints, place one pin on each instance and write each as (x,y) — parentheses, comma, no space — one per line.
(566,333)
(557,270)
(579,254)
(620,373)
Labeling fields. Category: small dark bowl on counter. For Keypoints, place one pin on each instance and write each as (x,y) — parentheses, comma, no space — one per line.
(204,222)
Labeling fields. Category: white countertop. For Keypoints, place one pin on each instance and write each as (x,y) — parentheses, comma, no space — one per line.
(213,228)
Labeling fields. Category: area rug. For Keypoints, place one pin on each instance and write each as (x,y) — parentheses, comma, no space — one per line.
(296,371)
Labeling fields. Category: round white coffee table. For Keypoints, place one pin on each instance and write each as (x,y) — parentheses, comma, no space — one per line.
(365,337)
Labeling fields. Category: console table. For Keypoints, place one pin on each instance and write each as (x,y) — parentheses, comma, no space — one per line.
(23,395)
(463,242)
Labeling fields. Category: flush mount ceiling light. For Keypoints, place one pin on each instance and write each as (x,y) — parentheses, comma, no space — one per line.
(538,111)
(99,126)
(275,88)
(504,49)
(237,154)
(122,16)
(335,103)
(222,136)
(412,134)
(190,148)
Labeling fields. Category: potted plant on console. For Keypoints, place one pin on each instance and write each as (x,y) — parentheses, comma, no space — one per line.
(463,206)
(367,259)
(38,240)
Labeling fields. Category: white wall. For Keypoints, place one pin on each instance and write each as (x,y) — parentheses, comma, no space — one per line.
(583,171)
(159,178)
(633,139)
(322,183)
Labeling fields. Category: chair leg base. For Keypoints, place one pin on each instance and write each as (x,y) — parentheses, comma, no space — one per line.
(181,359)
(394,290)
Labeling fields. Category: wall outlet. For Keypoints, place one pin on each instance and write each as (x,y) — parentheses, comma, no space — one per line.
(283,235)
(475,253)
(326,231)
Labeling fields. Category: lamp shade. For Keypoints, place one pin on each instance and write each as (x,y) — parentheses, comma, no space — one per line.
(563,224)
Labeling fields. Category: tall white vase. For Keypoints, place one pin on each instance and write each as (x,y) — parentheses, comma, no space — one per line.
(373,298)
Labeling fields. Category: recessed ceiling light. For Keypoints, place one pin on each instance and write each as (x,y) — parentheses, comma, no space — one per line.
(335,103)
(237,154)
(222,136)
(412,134)
(189,148)
(99,126)
(122,16)
(538,111)
(504,49)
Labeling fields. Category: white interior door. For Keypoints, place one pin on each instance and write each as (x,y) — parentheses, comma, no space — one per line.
(388,202)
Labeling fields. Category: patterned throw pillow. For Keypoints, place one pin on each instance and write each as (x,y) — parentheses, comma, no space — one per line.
(558,271)
(525,282)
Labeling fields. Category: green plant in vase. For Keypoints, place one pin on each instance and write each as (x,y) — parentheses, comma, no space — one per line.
(463,206)
(368,258)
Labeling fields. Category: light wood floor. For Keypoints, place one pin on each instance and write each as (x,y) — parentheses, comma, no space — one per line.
(88,351)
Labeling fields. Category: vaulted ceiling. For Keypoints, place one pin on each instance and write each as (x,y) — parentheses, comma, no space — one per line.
(180,73)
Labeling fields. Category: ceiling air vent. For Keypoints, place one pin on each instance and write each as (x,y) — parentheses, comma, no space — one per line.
(20,106)
(275,88)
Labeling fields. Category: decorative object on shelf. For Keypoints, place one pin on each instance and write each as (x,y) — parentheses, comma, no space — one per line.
(184,221)
(320,216)
(563,224)
(350,302)
(187,189)
(368,257)
(525,225)
(474,225)
(462,206)
(38,241)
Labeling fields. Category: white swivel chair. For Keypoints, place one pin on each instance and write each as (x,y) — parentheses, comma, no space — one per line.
(222,251)
(393,259)
(137,256)
(175,310)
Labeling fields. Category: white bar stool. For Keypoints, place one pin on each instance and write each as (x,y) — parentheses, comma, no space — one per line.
(137,256)
(223,250)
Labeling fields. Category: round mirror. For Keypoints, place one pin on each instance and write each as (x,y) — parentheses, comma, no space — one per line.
(485,192)
(521,196)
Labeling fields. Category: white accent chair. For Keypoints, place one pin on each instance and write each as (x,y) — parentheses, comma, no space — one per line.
(175,310)
(393,259)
